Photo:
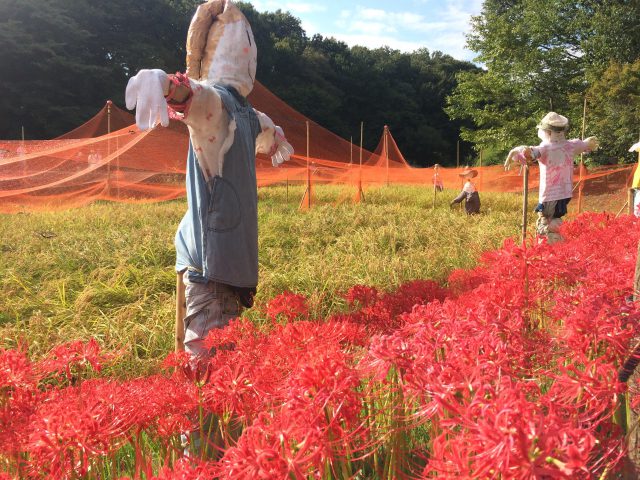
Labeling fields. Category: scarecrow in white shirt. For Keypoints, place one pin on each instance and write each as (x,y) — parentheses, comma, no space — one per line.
(469,193)
(555,156)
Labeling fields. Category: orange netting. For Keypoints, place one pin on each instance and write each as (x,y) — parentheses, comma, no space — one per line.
(108,158)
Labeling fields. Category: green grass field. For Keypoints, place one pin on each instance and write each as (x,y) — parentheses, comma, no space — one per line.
(106,270)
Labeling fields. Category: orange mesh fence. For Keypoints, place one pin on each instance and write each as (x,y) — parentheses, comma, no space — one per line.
(108,158)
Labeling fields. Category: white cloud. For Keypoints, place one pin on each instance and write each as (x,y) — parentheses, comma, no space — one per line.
(436,27)
(376,41)
(405,25)
(296,8)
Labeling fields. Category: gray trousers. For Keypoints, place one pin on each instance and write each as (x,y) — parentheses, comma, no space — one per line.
(208,305)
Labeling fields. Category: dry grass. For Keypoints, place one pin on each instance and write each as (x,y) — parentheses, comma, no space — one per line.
(106,271)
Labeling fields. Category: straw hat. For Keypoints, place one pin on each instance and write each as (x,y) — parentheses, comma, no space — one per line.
(469,172)
(554,122)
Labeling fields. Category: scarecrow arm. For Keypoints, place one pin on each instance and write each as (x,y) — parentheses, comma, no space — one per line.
(459,198)
(271,141)
(521,155)
(149,91)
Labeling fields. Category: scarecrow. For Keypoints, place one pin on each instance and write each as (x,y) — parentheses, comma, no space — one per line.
(438,184)
(555,156)
(217,239)
(469,193)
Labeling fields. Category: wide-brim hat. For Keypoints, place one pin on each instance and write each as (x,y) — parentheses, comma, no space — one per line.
(554,122)
(469,172)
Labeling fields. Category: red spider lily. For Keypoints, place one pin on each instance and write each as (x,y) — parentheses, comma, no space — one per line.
(16,371)
(230,391)
(240,332)
(64,358)
(362,296)
(75,426)
(485,379)
(187,469)
(275,448)
(289,306)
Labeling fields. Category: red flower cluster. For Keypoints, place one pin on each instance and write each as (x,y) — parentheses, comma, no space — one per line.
(511,371)
(289,306)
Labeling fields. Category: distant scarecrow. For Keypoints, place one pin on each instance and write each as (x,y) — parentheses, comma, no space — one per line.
(555,156)
(469,193)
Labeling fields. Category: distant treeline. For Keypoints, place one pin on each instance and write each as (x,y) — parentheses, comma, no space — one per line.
(62,59)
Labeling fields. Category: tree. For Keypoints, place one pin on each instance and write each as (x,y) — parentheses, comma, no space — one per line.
(538,56)
(62,59)
(614,101)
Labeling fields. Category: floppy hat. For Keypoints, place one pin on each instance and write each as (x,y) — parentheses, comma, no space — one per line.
(554,122)
(469,172)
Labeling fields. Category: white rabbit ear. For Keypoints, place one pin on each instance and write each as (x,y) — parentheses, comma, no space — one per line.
(131,93)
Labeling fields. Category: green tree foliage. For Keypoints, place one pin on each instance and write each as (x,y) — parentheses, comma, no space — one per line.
(62,59)
(615,107)
(541,55)
(340,86)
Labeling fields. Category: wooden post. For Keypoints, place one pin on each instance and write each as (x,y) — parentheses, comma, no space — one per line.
(386,151)
(525,202)
(581,168)
(24,151)
(350,151)
(632,468)
(308,168)
(525,211)
(480,173)
(359,193)
(305,203)
(180,314)
(108,145)
(435,169)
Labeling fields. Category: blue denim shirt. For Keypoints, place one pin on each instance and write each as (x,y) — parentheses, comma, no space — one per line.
(217,238)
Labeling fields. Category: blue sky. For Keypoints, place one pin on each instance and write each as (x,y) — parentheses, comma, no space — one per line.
(404,25)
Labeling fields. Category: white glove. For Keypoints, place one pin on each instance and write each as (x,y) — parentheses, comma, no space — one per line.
(145,93)
(593,143)
(520,155)
(284,150)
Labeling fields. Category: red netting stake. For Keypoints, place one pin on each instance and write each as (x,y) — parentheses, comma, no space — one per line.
(581,181)
(525,211)
(386,152)
(108,146)
(435,188)
(359,197)
(305,204)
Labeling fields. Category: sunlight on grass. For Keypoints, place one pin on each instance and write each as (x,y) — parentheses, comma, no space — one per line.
(106,271)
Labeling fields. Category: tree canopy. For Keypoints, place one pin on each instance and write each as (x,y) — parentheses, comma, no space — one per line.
(542,55)
(63,59)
